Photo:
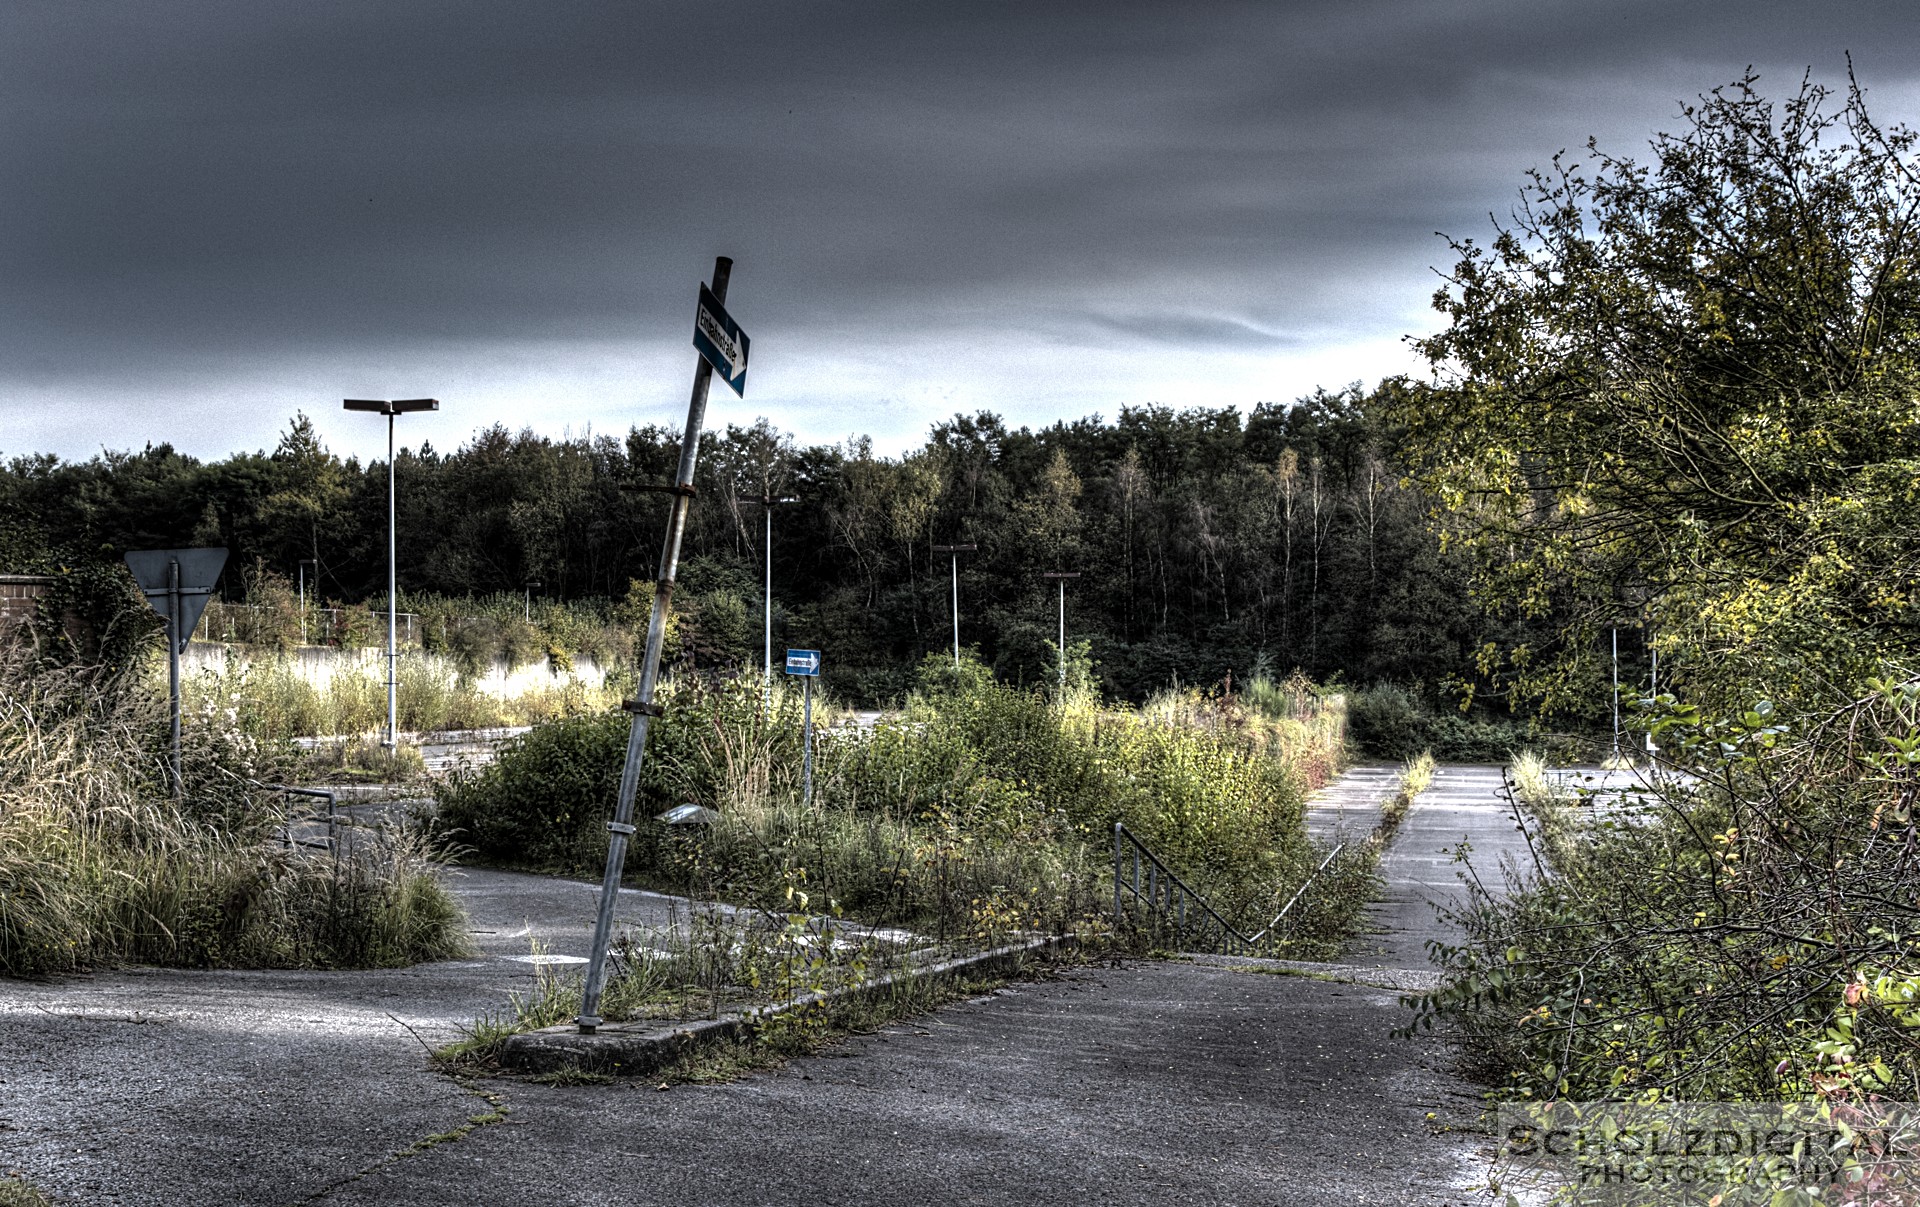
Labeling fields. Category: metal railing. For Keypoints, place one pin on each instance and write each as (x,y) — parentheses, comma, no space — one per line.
(331,817)
(1149,895)
(1298,893)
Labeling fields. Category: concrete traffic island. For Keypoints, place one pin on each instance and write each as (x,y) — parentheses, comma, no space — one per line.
(637,1049)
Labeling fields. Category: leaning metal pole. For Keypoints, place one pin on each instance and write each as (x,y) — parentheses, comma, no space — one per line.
(642,706)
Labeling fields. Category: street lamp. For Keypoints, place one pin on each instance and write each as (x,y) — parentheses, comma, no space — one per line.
(1062,576)
(527,603)
(769,501)
(304,563)
(403,406)
(1615,634)
(956,551)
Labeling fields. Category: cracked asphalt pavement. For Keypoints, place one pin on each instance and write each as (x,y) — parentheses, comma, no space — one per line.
(1215,1082)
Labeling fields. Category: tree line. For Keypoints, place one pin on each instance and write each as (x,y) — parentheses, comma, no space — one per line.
(1210,542)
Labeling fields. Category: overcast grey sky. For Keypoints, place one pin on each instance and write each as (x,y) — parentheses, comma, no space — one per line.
(215,214)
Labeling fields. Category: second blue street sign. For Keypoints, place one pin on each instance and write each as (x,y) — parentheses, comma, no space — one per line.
(803,662)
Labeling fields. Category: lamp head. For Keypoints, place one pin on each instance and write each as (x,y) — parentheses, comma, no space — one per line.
(381,406)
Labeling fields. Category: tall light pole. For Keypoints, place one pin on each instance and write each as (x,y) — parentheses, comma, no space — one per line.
(1062,576)
(1653,653)
(769,502)
(304,563)
(1616,694)
(956,551)
(390,409)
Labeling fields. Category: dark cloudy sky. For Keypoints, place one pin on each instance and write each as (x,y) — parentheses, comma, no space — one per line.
(215,214)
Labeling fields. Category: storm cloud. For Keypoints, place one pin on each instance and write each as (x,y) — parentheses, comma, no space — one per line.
(215,214)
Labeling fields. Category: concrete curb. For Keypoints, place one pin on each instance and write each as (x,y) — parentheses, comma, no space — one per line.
(637,1049)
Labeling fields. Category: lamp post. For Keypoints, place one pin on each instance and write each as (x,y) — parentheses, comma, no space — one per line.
(390,409)
(769,502)
(304,563)
(1062,576)
(1615,632)
(956,551)
(526,603)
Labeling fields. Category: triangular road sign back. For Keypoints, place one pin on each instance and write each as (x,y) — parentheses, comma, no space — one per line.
(199,570)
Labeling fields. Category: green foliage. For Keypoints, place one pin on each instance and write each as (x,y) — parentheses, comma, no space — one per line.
(1389,721)
(981,809)
(545,798)
(1210,539)
(1679,394)
(1749,933)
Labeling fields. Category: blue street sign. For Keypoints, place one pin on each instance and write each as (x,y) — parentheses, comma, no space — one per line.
(803,662)
(721,341)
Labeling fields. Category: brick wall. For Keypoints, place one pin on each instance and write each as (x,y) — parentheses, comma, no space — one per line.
(19,596)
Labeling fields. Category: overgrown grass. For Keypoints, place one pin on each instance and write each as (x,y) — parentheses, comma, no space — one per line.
(363,760)
(787,972)
(99,864)
(473,631)
(270,699)
(981,810)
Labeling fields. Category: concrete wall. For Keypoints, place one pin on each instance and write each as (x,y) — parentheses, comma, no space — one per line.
(319,664)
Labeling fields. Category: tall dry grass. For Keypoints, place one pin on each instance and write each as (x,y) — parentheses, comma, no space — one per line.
(99,864)
(271,700)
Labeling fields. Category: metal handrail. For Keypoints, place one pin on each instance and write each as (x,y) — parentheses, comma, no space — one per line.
(1331,856)
(1162,881)
(332,814)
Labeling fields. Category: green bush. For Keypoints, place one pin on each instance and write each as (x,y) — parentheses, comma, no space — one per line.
(545,799)
(1390,721)
(979,805)
(1745,934)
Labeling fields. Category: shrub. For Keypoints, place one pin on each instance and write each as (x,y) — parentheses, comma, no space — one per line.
(1747,934)
(980,804)
(545,798)
(1391,721)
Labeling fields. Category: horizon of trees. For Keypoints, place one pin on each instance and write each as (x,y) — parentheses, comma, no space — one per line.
(1210,542)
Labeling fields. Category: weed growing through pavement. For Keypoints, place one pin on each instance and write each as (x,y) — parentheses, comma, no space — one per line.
(16,1191)
(789,966)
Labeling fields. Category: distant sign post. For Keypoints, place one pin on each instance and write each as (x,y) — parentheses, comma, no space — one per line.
(721,341)
(177,583)
(806,664)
